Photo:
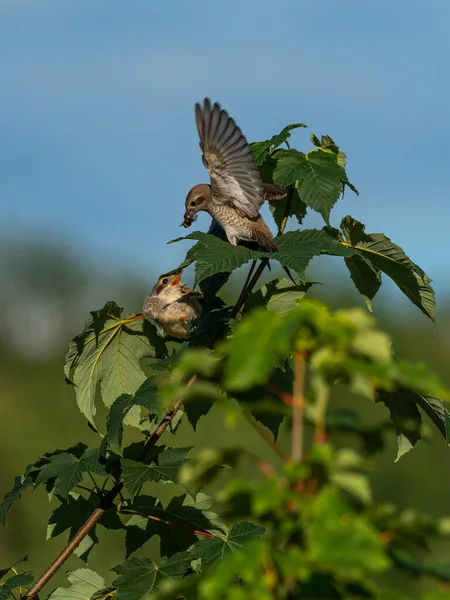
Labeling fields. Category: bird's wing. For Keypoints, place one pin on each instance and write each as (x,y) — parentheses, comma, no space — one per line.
(228,157)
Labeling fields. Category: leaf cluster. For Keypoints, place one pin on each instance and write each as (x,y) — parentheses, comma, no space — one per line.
(300,528)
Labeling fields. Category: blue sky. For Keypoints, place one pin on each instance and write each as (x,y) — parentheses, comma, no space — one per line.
(98,145)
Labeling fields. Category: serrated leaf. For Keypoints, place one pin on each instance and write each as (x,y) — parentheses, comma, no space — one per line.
(22,580)
(139,577)
(386,256)
(164,467)
(365,276)
(285,134)
(67,470)
(318,174)
(405,416)
(106,356)
(72,513)
(146,396)
(84,583)
(279,295)
(293,206)
(296,250)
(21,483)
(437,412)
(178,524)
(211,550)
(213,255)
(261,150)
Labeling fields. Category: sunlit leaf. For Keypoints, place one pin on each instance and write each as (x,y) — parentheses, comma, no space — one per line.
(84,583)
(319,176)
(386,256)
(106,356)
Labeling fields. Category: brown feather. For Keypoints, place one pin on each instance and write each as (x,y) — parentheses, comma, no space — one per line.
(273,192)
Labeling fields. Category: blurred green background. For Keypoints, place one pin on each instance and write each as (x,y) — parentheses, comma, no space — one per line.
(47,294)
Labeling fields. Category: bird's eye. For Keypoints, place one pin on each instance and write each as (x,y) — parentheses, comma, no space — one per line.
(193,203)
(164,281)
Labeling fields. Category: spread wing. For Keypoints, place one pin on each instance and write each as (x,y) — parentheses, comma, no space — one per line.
(227,155)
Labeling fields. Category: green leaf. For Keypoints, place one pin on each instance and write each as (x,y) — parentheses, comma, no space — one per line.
(106,356)
(261,150)
(341,541)
(296,250)
(386,256)
(4,572)
(211,550)
(259,341)
(22,580)
(21,483)
(72,514)
(84,583)
(68,470)
(146,396)
(436,411)
(213,255)
(297,208)
(164,467)
(405,416)
(279,295)
(318,174)
(365,276)
(139,577)
(284,134)
(178,524)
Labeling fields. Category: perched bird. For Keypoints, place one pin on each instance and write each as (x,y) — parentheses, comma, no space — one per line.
(172,307)
(236,192)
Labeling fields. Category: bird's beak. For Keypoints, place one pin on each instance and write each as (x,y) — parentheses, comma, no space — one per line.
(176,279)
(187,219)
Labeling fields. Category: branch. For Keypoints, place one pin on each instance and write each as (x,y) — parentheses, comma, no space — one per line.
(247,290)
(106,504)
(298,405)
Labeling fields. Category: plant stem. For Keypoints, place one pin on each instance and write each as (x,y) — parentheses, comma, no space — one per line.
(244,287)
(248,287)
(245,292)
(106,504)
(298,403)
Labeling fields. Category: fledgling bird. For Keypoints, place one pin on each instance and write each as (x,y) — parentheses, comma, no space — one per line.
(236,192)
(172,307)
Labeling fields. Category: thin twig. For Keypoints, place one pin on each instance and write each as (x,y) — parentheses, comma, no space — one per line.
(298,405)
(97,489)
(245,293)
(244,287)
(106,504)
(248,287)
